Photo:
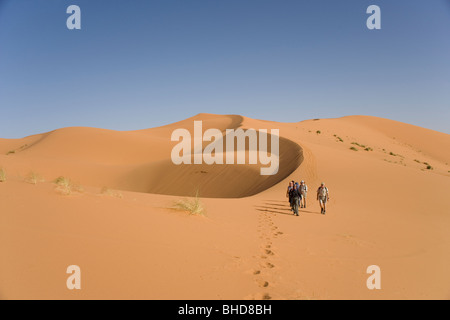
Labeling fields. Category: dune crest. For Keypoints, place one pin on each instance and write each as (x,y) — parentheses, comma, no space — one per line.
(140,160)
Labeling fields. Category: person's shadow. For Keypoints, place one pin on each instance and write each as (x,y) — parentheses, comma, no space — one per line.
(280,207)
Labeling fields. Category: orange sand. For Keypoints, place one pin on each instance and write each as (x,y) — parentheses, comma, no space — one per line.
(387,210)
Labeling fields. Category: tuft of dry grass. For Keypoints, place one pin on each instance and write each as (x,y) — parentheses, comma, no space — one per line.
(193,206)
(111,193)
(34,178)
(2,175)
(66,186)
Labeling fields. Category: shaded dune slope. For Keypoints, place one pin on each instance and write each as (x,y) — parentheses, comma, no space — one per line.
(215,181)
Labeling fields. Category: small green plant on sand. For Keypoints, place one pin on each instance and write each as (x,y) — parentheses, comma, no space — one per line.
(2,175)
(193,206)
(318,132)
(11,152)
(359,145)
(353,148)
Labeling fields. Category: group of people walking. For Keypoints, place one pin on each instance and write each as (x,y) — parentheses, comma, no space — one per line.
(297,196)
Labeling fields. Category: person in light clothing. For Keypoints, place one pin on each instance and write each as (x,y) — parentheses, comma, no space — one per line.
(323,196)
(303,192)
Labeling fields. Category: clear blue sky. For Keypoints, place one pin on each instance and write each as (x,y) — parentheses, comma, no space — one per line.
(139,64)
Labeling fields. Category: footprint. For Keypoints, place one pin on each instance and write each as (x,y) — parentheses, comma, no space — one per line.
(266,296)
(256,272)
(263,284)
(269,252)
(259,296)
(269,265)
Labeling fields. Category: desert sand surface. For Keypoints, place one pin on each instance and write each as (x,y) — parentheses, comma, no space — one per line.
(118,222)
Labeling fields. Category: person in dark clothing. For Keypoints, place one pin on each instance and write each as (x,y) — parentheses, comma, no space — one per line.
(295,195)
(288,193)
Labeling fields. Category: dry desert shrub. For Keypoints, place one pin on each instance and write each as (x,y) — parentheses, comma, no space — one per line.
(193,206)
(111,193)
(2,175)
(34,178)
(66,186)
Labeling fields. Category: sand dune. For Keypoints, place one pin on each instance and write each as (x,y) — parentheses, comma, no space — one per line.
(389,206)
(140,160)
